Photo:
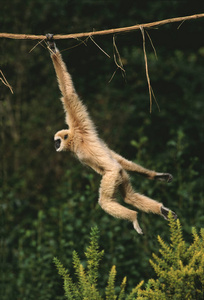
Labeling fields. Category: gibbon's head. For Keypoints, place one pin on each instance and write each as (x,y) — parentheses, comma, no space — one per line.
(62,140)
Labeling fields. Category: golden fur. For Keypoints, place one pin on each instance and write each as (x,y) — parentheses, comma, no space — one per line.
(81,138)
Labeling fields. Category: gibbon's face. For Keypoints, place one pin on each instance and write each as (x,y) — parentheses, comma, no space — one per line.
(61,140)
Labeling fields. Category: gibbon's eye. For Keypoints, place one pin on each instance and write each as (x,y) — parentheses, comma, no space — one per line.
(57,144)
(65,136)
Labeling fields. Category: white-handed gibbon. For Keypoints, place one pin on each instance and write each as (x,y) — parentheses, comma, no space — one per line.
(82,139)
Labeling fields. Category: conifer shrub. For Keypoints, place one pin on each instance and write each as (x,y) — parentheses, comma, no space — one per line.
(179,269)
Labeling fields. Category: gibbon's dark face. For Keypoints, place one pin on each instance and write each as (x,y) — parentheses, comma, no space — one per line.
(57,144)
(61,140)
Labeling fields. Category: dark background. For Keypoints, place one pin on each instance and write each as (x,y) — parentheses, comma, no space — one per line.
(48,200)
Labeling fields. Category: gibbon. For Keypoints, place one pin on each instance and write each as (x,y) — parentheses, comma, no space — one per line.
(82,139)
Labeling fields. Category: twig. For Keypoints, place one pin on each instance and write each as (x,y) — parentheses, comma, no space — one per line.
(181,24)
(155,52)
(5,82)
(35,46)
(112,76)
(99,47)
(115,51)
(155,99)
(146,68)
(118,64)
(75,46)
(101,32)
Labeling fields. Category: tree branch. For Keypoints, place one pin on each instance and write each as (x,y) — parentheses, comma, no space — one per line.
(101,32)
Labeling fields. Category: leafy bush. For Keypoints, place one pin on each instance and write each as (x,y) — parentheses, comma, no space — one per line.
(86,285)
(180,271)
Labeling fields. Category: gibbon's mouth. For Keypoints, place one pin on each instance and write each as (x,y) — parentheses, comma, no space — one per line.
(57,144)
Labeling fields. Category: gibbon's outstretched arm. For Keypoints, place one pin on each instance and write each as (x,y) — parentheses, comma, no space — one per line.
(77,116)
(82,139)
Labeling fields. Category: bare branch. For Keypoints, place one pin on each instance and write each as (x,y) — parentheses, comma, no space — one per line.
(101,32)
(146,69)
(5,82)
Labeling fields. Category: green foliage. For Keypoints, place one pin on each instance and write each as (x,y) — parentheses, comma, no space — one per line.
(180,269)
(93,256)
(110,292)
(86,287)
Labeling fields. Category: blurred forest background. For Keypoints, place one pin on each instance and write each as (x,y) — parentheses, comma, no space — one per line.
(48,199)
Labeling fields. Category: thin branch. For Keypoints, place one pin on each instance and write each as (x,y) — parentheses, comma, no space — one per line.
(155,52)
(118,64)
(99,47)
(112,76)
(155,99)
(115,51)
(101,32)
(35,46)
(146,68)
(181,24)
(5,82)
(80,42)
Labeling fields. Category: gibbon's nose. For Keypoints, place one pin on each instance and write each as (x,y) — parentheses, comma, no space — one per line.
(57,143)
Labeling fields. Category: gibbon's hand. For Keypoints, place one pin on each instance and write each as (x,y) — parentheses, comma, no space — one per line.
(50,42)
(164,177)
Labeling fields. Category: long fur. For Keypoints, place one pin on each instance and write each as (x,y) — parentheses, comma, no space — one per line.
(83,140)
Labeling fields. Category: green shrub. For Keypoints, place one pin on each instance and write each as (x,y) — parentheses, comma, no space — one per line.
(86,286)
(180,271)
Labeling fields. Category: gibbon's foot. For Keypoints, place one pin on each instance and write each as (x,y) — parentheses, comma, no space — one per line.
(164,177)
(137,227)
(51,43)
(165,213)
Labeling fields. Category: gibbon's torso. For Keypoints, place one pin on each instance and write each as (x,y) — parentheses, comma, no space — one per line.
(95,155)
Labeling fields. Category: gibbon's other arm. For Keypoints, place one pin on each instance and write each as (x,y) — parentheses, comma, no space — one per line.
(133,167)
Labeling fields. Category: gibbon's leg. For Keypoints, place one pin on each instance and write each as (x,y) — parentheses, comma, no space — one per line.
(131,166)
(140,201)
(107,199)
